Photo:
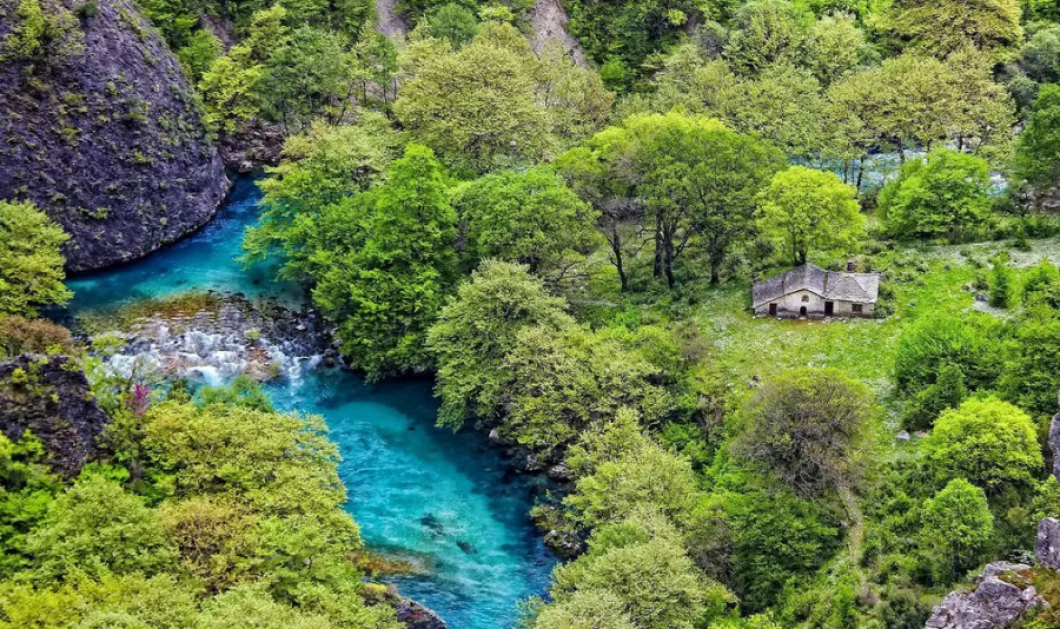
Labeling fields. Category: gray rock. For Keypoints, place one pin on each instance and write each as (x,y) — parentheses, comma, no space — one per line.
(417,616)
(902,436)
(1047,544)
(559,473)
(982,297)
(1054,444)
(992,604)
(105,136)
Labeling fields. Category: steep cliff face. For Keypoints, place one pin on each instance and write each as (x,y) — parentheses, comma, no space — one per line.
(99,127)
(50,397)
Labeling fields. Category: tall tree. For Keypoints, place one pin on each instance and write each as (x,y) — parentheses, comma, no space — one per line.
(808,210)
(1037,161)
(529,217)
(942,27)
(703,181)
(386,290)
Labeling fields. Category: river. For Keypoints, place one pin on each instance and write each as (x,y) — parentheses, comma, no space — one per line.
(446,501)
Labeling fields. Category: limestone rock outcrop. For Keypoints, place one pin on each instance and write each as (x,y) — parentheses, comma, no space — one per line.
(101,129)
(1001,595)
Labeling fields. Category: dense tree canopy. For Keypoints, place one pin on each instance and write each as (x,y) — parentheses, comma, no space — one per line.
(31,260)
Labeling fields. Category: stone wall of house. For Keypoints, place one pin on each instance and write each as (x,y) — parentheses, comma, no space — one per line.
(790,306)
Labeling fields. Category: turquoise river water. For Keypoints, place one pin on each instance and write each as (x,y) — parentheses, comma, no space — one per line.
(445,501)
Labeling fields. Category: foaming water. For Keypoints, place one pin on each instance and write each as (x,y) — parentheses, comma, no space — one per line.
(445,502)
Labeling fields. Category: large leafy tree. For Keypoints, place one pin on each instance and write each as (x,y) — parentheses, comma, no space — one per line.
(320,168)
(386,289)
(972,344)
(807,428)
(767,32)
(1032,371)
(942,27)
(477,107)
(944,195)
(477,329)
(31,259)
(808,209)
(991,443)
(703,181)
(528,217)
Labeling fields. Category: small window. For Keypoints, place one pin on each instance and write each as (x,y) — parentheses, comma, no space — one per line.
(805,298)
(855,307)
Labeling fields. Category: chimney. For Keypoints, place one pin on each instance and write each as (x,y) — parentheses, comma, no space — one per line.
(850,266)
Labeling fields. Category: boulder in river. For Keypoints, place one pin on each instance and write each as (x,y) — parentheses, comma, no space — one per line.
(102,130)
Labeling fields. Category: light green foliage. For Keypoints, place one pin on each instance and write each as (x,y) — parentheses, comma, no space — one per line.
(375,70)
(586,609)
(638,475)
(957,528)
(1041,284)
(807,428)
(836,46)
(386,289)
(528,217)
(1032,372)
(620,563)
(577,101)
(942,27)
(1002,283)
(26,493)
(321,167)
(564,381)
(454,23)
(478,106)
(229,90)
(109,602)
(199,54)
(1037,160)
(808,210)
(701,178)
(95,528)
(477,329)
(782,104)
(946,195)
(971,343)
(250,607)
(990,443)
(42,33)
(308,75)
(31,260)
(912,100)
(767,32)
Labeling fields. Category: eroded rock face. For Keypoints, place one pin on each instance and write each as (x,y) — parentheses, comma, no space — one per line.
(417,616)
(1054,442)
(1047,544)
(51,397)
(1000,597)
(102,131)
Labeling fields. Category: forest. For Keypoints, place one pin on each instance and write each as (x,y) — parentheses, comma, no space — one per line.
(563,233)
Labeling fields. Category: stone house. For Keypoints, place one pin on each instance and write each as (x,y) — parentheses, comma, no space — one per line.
(810,291)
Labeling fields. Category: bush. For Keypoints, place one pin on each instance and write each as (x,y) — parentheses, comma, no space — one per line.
(19,335)
(972,343)
(948,391)
(946,195)
(957,527)
(990,443)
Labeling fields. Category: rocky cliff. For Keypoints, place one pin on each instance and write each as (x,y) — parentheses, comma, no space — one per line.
(99,127)
(51,398)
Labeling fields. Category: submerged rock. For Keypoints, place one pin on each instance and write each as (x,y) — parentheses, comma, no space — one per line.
(102,131)
(417,616)
(50,396)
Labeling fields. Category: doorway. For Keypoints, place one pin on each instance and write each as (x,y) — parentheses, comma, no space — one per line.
(829,308)
(802,311)
(772,310)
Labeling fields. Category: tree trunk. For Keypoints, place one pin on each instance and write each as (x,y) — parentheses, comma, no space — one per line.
(659,246)
(669,263)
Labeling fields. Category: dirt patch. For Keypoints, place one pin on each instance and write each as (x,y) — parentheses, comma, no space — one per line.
(549,21)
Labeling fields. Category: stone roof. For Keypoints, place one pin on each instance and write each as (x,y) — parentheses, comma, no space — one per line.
(858,288)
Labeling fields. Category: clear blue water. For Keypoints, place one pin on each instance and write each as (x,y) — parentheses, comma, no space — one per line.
(444,501)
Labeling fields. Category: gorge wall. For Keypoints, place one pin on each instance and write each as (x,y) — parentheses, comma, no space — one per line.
(99,127)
